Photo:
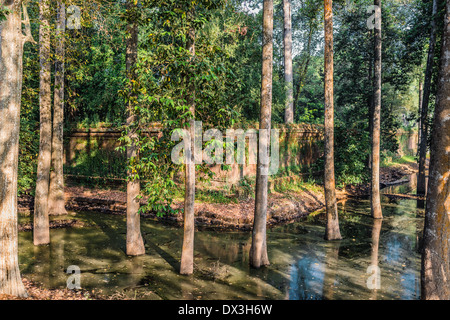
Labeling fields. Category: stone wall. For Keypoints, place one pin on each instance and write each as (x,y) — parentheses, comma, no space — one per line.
(93,153)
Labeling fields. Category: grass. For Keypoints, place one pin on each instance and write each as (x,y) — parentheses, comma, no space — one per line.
(393,161)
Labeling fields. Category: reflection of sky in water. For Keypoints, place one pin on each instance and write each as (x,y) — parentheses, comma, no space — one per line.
(398,259)
(307,276)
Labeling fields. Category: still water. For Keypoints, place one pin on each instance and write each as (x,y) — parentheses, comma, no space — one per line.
(375,260)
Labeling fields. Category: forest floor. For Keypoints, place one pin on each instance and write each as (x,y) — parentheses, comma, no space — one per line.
(288,201)
(38,292)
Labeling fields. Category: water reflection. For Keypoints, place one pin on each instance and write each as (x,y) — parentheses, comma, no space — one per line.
(303,265)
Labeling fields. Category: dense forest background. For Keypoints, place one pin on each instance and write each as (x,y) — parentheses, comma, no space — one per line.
(229,72)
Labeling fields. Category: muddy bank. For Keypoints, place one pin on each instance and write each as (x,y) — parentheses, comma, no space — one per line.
(283,207)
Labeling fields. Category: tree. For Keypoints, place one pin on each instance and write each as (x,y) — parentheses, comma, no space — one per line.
(375,198)
(423,143)
(258,250)
(56,198)
(12,41)
(134,242)
(332,229)
(41,231)
(288,70)
(435,274)
(187,254)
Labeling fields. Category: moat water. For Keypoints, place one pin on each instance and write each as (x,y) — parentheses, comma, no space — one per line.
(377,259)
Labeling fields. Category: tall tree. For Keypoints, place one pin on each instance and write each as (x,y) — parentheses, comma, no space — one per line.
(41,232)
(420,106)
(435,274)
(423,146)
(288,70)
(56,200)
(375,198)
(12,41)
(258,250)
(134,242)
(187,254)
(332,229)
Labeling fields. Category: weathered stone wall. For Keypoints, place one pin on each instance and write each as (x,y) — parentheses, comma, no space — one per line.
(93,152)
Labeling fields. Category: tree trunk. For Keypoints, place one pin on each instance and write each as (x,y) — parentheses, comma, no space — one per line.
(134,242)
(56,201)
(11,67)
(332,229)
(258,250)
(436,245)
(187,253)
(375,198)
(420,107)
(288,71)
(370,102)
(421,179)
(41,230)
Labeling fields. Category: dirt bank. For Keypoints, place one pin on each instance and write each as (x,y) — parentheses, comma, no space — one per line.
(282,208)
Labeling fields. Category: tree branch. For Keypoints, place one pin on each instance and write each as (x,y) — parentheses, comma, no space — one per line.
(28,37)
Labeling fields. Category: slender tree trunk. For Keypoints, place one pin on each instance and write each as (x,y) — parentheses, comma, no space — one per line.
(258,251)
(134,242)
(11,67)
(56,201)
(420,107)
(187,253)
(421,179)
(376,129)
(371,82)
(288,71)
(332,229)
(41,230)
(436,244)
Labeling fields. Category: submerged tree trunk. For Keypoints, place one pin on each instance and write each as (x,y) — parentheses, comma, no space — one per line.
(11,66)
(134,242)
(56,200)
(288,71)
(436,239)
(423,146)
(41,232)
(332,229)
(258,251)
(187,253)
(375,198)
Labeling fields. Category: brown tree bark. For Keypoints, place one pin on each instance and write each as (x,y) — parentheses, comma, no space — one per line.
(11,66)
(423,146)
(134,242)
(420,107)
(435,274)
(332,231)
(41,232)
(288,70)
(187,253)
(56,200)
(258,250)
(375,197)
